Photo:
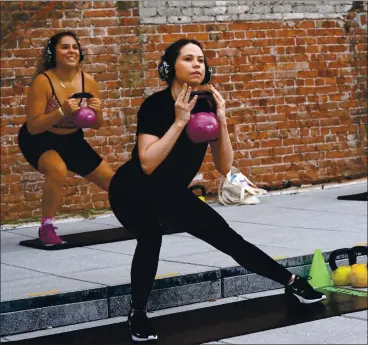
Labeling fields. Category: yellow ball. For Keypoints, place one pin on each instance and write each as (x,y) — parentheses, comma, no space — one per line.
(358,276)
(341,276)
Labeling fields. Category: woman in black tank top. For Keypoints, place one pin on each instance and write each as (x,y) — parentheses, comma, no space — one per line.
(50,139)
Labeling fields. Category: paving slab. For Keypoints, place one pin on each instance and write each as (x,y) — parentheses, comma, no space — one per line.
(315,203)
(293,237)
(215,258)
(268,214)
(121,274)
(10,242)
(333,191)
(42,286)
(65,261)
(12,273)
(358,315)
(172,246)
(106,220)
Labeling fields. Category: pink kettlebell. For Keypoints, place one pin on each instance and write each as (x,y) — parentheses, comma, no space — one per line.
(84,117)
(203,126)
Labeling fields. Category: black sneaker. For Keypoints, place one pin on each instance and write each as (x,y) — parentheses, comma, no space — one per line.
(139,327)
(303,291)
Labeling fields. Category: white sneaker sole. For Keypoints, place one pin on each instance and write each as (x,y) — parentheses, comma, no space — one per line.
(144,339)
(309,301)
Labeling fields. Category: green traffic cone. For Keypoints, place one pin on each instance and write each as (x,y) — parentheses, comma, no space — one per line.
(319,273)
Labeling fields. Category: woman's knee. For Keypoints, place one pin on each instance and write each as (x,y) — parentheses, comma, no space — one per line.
(52,166)
(57,173)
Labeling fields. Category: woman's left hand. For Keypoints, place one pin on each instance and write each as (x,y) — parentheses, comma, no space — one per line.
(220,104)
(94,103)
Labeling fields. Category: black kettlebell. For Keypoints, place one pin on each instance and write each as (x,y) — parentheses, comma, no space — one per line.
(341,275)
(359,272)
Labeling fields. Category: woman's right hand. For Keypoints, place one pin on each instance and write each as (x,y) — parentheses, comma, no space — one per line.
(182,107)
(70,105)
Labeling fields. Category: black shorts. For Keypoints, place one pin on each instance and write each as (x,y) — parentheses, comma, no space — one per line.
(75,151)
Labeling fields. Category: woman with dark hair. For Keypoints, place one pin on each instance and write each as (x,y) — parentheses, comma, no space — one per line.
(153,186)
(50,140)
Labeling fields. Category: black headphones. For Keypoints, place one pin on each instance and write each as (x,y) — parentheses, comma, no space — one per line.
(164,71)
(51,46)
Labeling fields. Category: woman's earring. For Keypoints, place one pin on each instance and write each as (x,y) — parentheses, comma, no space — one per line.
(48,53)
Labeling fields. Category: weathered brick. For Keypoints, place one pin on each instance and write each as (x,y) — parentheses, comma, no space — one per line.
(237,9)
(203,3)
(181,3)
(148,11)
(179,20)
(154,20)
(201,19)
(249,16)
(166,12)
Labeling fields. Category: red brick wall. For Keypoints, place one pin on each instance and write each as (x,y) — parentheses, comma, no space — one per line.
(295,90)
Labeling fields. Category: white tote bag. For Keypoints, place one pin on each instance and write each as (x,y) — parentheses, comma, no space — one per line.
(236,189)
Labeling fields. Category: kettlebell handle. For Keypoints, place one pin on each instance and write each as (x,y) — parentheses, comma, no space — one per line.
(82,95)
(198,186)
(345,253)
(206,95)
(201,94)
(359,250)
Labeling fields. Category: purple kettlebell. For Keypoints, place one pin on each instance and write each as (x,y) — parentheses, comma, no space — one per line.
(203,126)
(84,117)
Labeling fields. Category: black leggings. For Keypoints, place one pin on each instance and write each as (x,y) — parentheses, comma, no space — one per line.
(142,212)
